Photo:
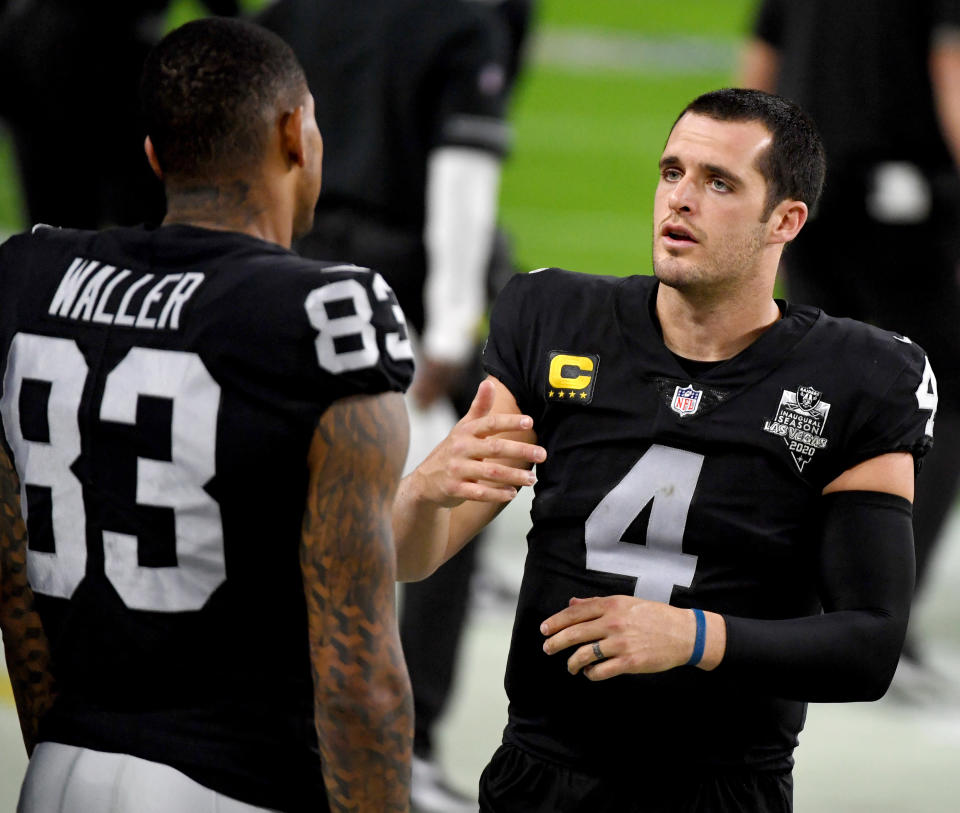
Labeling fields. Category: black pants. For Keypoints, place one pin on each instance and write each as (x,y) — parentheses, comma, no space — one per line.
(516,782)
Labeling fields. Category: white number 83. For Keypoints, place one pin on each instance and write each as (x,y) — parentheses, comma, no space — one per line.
(353,327)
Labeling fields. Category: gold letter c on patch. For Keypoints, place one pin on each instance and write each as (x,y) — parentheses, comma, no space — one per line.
(582,364)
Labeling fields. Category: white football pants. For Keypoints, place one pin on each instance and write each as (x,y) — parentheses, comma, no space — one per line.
(66,779)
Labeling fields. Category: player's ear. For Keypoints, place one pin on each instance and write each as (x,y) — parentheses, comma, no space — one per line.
(152,157)
(291,136)
(787,220)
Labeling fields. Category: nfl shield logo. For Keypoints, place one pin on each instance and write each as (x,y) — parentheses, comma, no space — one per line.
(686,400)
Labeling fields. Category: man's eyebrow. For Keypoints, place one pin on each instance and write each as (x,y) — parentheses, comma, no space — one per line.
(668,161)
(714,169)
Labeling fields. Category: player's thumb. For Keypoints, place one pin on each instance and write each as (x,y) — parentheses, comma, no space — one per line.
(482,401)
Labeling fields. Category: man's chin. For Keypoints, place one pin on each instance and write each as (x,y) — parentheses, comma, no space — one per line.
(671,272)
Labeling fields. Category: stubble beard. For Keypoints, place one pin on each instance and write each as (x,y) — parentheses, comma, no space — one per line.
(735,260)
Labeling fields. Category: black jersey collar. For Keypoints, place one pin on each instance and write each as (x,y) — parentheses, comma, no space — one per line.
(636,321)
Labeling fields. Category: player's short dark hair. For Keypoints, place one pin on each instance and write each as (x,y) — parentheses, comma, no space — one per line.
(209,91)
(795,164)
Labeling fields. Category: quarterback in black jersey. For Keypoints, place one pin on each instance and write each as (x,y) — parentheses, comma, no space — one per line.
(207,432)
(721,520)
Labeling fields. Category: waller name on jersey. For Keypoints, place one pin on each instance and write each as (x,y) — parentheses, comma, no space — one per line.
(93,292)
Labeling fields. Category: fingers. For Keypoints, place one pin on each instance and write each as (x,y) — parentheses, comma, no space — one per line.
(492,424)
(471,439)
(497,474)
(604,669)
(476,462)
(585,660)
(586,632)
(481,492)
(467,446)
(498,460)
(635,636)
(481,421)
(458,471)
(466,473)
(579,610)
(482,402)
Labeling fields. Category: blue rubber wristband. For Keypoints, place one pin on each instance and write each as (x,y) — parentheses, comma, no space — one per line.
(700,641)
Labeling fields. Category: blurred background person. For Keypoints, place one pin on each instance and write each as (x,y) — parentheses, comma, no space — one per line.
(881,78)
(69,98)
(411,100)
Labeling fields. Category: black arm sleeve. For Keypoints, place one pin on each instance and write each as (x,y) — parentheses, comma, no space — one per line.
(850,652)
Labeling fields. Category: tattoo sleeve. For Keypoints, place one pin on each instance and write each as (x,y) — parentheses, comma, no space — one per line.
(24,641)
(363,700)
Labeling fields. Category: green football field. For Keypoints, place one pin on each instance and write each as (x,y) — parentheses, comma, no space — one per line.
(604,81)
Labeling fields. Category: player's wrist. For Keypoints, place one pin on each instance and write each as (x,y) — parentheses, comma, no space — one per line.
(714,641)
(699,637)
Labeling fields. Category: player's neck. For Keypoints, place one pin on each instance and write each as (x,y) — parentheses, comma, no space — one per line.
(228,206)
(712,329)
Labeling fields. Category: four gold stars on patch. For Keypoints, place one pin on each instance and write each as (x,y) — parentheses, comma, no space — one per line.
(571,379)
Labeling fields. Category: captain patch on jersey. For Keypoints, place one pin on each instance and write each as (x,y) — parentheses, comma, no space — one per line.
(571,378)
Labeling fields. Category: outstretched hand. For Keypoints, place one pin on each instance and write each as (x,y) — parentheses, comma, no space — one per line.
(633,635)
(486,457)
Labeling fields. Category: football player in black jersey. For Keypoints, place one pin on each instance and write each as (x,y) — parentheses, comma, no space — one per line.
(208,432)
(721,520)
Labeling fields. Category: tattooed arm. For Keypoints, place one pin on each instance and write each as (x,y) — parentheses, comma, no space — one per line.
(363,701)
(25,645)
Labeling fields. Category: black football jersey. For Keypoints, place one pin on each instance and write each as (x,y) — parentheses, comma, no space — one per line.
(160,392)
(697,491)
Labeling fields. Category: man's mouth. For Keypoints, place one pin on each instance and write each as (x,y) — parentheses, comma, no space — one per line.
(677,233)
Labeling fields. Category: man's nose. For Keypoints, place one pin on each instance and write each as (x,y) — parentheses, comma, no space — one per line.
(682,195)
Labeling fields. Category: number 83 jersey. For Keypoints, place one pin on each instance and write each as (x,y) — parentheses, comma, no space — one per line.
(160,393)
(700,490)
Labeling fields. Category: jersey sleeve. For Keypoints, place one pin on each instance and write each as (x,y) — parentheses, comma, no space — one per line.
(900,415)
(510,348)
(359,334)
(309,335)
(470,80)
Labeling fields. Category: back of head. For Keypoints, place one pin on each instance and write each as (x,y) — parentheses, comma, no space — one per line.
(795,164)
(210,91)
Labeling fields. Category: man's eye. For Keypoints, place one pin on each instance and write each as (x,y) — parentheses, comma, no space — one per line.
(720,185)
(671,174)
